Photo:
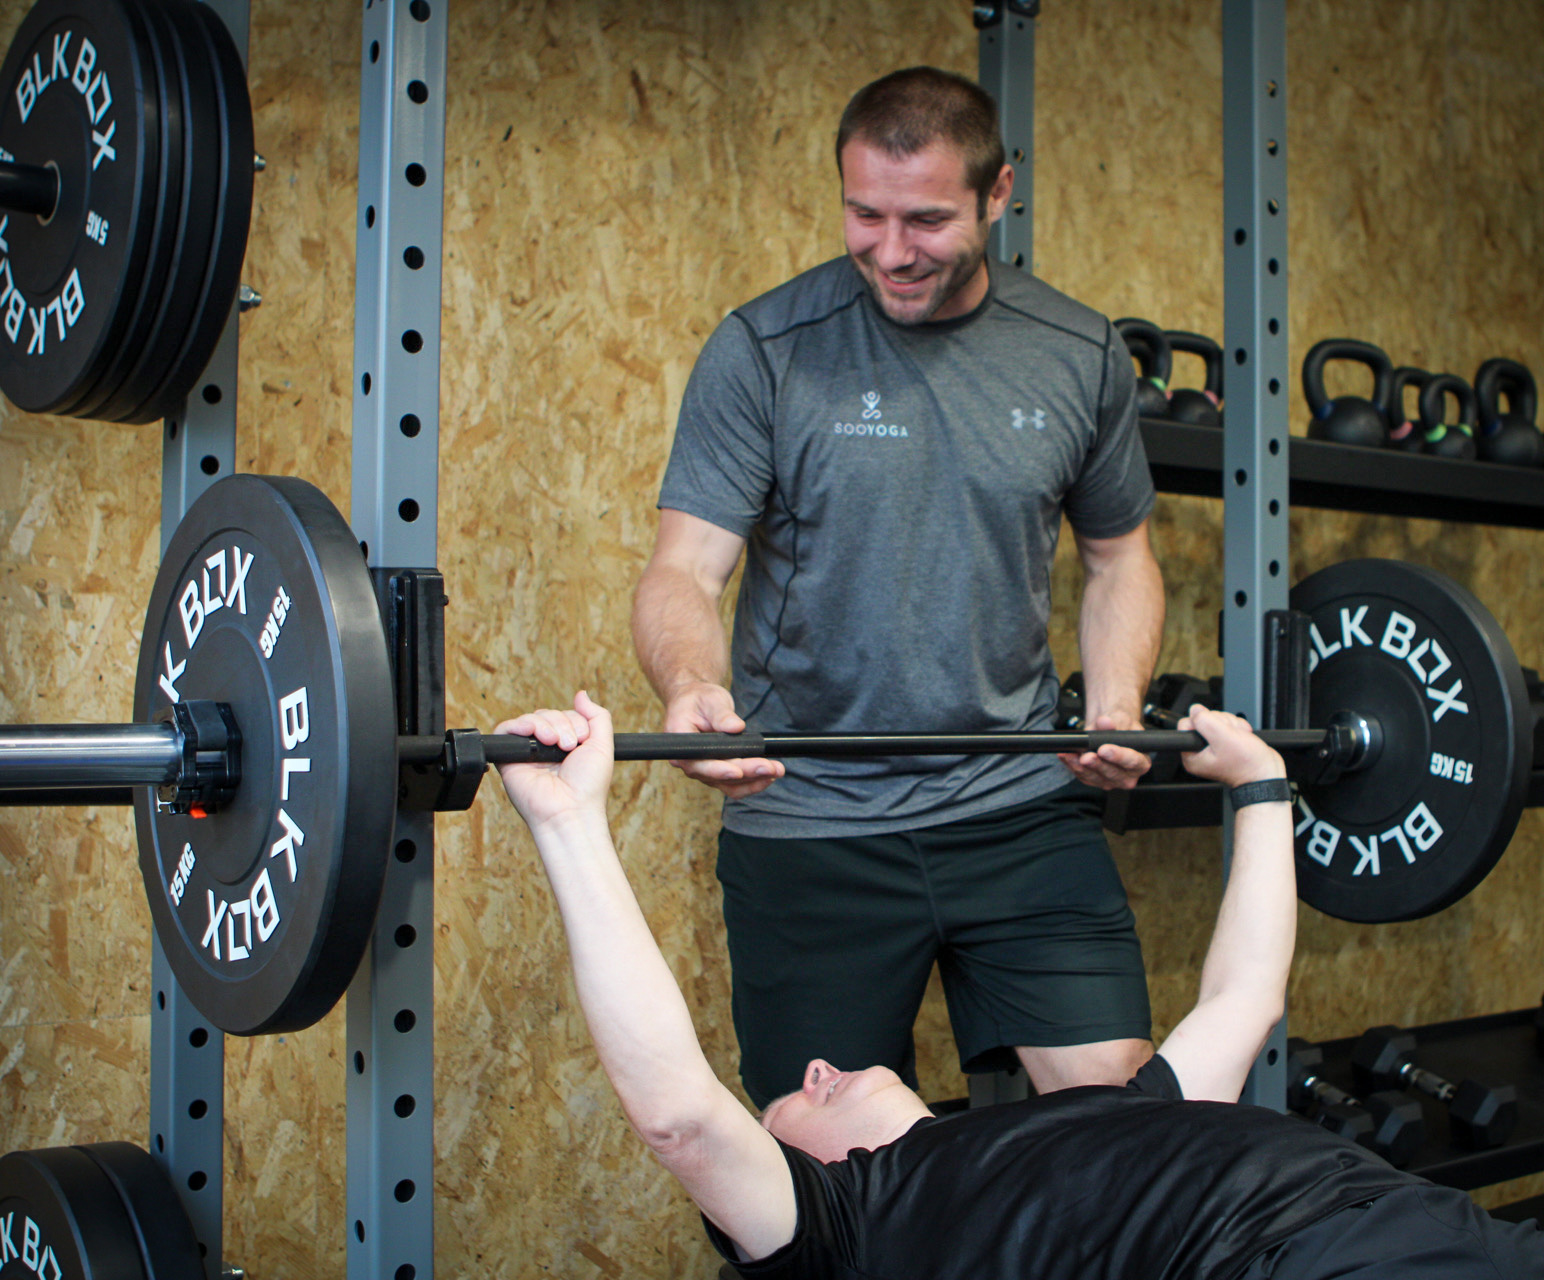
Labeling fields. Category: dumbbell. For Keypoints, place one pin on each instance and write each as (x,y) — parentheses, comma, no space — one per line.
(1069,703)
(1386,1122)
(1480,1115)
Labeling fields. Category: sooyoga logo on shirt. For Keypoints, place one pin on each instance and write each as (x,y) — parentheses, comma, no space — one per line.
(871,424)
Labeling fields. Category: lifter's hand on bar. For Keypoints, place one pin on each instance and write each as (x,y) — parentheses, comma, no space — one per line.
(709,708)
(1111,768)
(1234,753)
(547,794)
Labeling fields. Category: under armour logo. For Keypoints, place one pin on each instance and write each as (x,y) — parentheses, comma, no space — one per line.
(871,405)
(1018,419)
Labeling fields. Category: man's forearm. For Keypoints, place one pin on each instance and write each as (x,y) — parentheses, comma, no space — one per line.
(1251,948)
(636,1014)
(1119,630)
(677,632)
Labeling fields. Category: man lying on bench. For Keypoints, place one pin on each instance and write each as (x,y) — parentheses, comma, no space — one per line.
(853,1176)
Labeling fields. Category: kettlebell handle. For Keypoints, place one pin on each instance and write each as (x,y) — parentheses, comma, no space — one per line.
(1148,347)
(1403,377)
(1198,344)
(1434,402)
(1319,404)
(1499,377)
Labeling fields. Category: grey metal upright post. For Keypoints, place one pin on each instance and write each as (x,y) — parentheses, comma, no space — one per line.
(1006,70)
(395,511)
(1006,53)
(1255,436)
(187,1054)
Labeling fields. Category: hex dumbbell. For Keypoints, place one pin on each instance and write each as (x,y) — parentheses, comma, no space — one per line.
(1481,1114)
(1387,1122)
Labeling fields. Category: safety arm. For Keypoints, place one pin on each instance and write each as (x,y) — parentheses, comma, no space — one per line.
(728,1164)
(1121,623)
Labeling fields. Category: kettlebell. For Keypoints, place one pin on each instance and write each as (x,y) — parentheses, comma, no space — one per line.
(1404,433)
(1150,349)
(1186,404)
(1448,439)
(1510,437)
(1347,419)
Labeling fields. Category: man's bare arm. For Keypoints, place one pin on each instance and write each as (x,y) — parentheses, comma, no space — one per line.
(681,647)
(639,1022)
(1120,626)
(1244,978)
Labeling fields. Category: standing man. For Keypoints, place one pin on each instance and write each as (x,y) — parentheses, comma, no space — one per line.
(896,435)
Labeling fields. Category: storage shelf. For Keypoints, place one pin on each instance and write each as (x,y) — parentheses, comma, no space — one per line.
(1501,1048)
(1186,459)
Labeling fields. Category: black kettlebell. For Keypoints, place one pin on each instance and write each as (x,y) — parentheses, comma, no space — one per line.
(1186,404)
(1404,433)
(1510,437)
(1448,439)
(1347,419)
(1150,349)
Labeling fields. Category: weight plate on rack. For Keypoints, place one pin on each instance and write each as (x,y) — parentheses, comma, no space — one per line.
(76,94)
(167,195)
(263,601)
(1425,823)
(230,121)
(179,35)
(60,1217)
(167,1244)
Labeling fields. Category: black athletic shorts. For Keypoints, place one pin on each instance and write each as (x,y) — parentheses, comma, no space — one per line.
(832,941)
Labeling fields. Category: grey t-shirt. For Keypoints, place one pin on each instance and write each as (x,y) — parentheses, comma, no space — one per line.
(901,489)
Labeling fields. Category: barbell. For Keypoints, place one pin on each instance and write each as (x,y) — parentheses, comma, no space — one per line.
(266,767)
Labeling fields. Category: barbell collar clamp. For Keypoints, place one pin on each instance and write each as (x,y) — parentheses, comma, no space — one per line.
(209,767)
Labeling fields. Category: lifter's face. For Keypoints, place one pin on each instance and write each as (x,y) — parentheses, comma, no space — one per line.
(913,231)
(836,1111)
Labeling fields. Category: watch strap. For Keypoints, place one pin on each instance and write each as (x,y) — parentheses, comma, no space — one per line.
(1260,792)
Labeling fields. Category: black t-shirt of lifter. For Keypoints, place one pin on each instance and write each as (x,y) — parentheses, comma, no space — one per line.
(1098,1183)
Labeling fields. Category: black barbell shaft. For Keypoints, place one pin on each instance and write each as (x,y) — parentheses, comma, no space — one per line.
(513,749)
(28,188)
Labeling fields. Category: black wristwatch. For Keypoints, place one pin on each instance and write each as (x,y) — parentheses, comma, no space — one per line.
(1260,792)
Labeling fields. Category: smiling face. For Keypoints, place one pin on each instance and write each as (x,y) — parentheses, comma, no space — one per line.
(914,230)
(837,1111)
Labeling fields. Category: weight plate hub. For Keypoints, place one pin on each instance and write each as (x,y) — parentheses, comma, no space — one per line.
(77,93)
(1425,823)
(265,907)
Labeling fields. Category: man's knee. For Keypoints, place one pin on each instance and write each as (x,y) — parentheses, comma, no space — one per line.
(1053,1067)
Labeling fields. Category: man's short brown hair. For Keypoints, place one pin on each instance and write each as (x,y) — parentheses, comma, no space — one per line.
(907,111)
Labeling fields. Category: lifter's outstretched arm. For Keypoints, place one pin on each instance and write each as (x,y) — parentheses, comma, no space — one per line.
(728,1163)
(1244,979)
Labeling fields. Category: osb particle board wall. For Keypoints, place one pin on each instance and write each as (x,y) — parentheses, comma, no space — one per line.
(618,178)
